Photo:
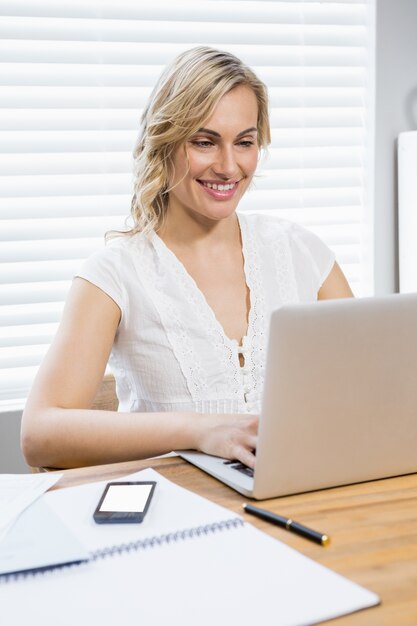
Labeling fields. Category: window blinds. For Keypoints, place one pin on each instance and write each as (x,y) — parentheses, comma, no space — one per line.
(74,76)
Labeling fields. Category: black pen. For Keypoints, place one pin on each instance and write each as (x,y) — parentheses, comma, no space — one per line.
(288,524)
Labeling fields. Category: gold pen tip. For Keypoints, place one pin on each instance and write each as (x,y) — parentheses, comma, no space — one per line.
(244,506)
(325,540)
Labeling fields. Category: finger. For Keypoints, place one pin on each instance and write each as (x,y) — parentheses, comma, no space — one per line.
(250,442)
(248,458)
(244,455)
(253,423)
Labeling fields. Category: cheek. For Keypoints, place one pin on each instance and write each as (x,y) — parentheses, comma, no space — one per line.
(249,163)
(199,163)
(253,160)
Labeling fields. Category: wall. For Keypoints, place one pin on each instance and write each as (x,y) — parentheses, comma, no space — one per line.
(395,111)
(11,458)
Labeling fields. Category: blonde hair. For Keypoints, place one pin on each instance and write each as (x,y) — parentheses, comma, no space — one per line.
(184,97)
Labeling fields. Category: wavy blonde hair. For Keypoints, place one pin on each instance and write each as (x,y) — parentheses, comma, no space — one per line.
(184,97)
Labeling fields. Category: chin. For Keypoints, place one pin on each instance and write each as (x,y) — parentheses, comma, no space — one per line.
(218,209)
(219,213)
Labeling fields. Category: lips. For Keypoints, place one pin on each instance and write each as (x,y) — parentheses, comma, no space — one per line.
(219,190)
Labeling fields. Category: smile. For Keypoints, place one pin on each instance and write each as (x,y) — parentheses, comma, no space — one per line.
(219,186)
(219,191)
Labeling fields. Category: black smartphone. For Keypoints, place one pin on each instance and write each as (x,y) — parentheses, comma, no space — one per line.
(124,502)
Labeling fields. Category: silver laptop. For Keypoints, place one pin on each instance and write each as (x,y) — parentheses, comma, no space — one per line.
(340,399)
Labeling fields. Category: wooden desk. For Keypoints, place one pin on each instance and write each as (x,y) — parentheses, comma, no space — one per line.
(373,527)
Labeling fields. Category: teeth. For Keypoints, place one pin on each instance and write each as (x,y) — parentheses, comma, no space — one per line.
(219,187)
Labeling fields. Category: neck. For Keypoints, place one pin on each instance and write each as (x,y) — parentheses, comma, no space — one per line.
(196,231)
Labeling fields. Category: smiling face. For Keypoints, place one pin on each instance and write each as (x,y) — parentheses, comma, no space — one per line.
(222,158)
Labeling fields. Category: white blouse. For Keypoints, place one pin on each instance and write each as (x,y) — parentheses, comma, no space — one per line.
(170,353)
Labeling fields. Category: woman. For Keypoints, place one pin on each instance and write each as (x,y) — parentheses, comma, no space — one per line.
(182,301)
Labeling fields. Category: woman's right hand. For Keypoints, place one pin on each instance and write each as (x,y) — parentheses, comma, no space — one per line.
(232,436)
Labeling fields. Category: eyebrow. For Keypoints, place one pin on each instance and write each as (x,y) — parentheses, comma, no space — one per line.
(207,131)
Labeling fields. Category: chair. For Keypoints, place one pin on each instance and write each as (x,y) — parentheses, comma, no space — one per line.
(105,400)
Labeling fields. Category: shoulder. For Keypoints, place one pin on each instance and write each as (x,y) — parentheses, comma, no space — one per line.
(111,268)
(271,228)
(310,256)
(116,252)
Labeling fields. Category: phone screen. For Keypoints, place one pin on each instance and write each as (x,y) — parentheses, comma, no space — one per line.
(126,498)
(124,502)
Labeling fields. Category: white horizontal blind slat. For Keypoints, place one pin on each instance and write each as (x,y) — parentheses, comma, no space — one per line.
(66,184)
(46,250)
(64,163)
(40,207)
(182,32)
(124,55)
(33,334)
(65,228)
(289,93)
(44,312)
(38,271)
(241,11)
(74,77)
(130,76)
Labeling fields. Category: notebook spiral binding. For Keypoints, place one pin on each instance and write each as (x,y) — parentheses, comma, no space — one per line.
(140,544)
(179,535)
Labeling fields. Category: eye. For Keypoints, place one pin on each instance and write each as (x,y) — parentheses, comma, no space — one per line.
(246,143)
(202,143)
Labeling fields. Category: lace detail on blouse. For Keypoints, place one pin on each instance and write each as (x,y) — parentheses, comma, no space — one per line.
(222,344)
(287,286)
(279,243)
(254,344)
(178,334)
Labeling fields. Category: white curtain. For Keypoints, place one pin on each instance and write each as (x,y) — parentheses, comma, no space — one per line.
(74,76)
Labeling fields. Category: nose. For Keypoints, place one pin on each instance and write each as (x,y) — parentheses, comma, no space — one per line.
(225,165)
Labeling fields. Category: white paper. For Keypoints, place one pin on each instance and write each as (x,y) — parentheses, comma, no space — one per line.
(18,491)
(172,509)
(232,576)
(39,539)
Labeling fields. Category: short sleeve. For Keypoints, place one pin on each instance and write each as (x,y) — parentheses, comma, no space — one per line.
(103,269)
(313,259)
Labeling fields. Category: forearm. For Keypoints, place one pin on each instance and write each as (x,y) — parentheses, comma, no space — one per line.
(62,438)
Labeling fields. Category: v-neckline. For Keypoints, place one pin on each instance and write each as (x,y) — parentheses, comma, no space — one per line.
(199,295)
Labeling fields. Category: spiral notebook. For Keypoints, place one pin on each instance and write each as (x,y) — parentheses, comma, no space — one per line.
(190,562)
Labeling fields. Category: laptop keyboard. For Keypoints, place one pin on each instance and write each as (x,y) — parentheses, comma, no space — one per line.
(237,465)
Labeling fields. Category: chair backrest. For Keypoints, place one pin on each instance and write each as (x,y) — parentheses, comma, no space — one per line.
(105,400)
